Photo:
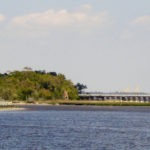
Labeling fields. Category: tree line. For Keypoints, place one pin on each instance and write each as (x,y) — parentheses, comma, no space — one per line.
(36,85)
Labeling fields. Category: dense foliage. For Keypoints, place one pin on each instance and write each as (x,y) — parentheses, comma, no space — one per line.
(36,85)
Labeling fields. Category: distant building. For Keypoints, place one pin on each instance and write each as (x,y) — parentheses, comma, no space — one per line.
(27,69)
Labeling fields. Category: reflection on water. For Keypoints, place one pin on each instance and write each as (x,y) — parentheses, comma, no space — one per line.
(74,130)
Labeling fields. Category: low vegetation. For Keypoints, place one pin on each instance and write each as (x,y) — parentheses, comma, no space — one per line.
(98,103)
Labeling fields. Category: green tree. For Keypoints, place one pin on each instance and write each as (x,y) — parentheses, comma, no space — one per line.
(80,87)
(25,93)
(35,85)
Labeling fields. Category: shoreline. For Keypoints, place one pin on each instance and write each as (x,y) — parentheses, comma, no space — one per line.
(47,107)
(11,108)
(78,105)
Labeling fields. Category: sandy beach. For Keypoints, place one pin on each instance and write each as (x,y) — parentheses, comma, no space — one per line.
(11,108)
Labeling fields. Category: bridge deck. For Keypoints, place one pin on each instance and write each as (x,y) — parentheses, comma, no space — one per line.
(115,96)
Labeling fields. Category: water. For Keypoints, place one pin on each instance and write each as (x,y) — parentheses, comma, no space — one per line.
(74,130)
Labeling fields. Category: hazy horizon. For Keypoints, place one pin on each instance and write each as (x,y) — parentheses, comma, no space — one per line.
(103,44)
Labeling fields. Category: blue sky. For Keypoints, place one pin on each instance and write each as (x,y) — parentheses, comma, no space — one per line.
(104,44)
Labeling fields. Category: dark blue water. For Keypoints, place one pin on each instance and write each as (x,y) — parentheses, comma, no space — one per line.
(74,130)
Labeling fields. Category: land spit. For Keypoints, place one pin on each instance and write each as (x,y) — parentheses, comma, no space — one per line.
(46,107)
(78,105)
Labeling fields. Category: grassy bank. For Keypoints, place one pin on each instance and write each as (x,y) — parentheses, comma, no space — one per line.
(97,103)
(84,102)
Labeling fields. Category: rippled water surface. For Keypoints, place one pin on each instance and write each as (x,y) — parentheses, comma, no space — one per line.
(74,130)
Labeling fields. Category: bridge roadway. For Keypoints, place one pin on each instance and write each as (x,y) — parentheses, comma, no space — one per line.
(145,97)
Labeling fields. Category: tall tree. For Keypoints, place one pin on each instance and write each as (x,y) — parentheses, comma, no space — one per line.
(80,87)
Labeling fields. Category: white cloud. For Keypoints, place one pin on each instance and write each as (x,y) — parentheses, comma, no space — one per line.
(142,20)
(61,18)
(137,28)
(2,18)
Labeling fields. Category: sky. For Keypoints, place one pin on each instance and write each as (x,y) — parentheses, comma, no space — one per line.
(104,44)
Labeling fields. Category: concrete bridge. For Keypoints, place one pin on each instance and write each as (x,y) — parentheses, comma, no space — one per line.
(123,96)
